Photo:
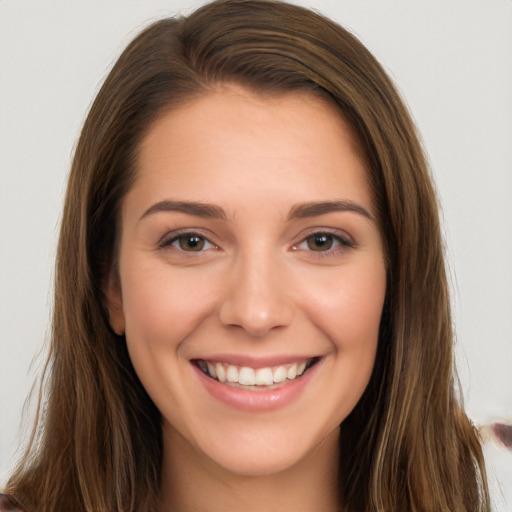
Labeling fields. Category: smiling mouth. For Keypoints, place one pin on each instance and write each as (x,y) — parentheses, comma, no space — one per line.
(246,377)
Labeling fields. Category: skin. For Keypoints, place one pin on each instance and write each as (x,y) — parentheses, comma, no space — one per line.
(261,286)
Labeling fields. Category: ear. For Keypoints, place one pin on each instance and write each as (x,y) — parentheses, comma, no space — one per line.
(115,304)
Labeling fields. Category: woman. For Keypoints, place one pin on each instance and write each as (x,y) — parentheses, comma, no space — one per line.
(250,297)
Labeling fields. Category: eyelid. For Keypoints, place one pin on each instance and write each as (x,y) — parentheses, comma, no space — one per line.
(169,238)
(344,240)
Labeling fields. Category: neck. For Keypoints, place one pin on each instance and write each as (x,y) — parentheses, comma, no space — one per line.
(192,482)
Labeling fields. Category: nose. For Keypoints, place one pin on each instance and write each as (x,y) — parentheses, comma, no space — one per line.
(256,299)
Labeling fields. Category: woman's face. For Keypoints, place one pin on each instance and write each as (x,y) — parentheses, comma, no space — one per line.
(252,277)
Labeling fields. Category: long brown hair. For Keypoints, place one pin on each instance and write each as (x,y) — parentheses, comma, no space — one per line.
(97,445)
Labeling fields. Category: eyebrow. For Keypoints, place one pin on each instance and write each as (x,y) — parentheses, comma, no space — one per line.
(314,209)
(208,211)
(298,211)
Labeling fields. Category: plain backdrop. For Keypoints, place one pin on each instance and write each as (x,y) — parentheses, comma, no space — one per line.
(452,60)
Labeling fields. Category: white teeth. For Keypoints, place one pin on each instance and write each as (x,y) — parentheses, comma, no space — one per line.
(232,374)
(211,370)
(247,376)
(280,374)
(292,372)
(221,373)
(264,377)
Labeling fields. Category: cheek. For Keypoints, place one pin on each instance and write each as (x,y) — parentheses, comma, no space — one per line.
(348,307)
(349,313)
(161,308)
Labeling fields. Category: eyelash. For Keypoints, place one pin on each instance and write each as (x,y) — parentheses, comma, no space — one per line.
(175,237)
(338,242)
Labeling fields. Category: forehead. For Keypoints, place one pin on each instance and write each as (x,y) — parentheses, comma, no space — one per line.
(293,144)
(229,101)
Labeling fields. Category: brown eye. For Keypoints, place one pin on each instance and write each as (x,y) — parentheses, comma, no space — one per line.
(192,243)
(325,243)
(187,242)
(320,242)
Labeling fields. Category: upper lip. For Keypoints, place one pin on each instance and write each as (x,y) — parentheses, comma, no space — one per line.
(255,361)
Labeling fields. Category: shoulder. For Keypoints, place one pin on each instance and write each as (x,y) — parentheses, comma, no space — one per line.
(9,504)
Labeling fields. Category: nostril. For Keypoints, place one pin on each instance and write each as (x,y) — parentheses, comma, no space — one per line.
(257,320)
(256,298)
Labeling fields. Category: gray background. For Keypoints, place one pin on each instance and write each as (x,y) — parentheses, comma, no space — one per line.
(452,60)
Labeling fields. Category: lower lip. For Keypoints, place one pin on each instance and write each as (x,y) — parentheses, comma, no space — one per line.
(257,401)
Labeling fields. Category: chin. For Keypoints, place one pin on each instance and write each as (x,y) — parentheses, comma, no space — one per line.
(251,464)
(258,452)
